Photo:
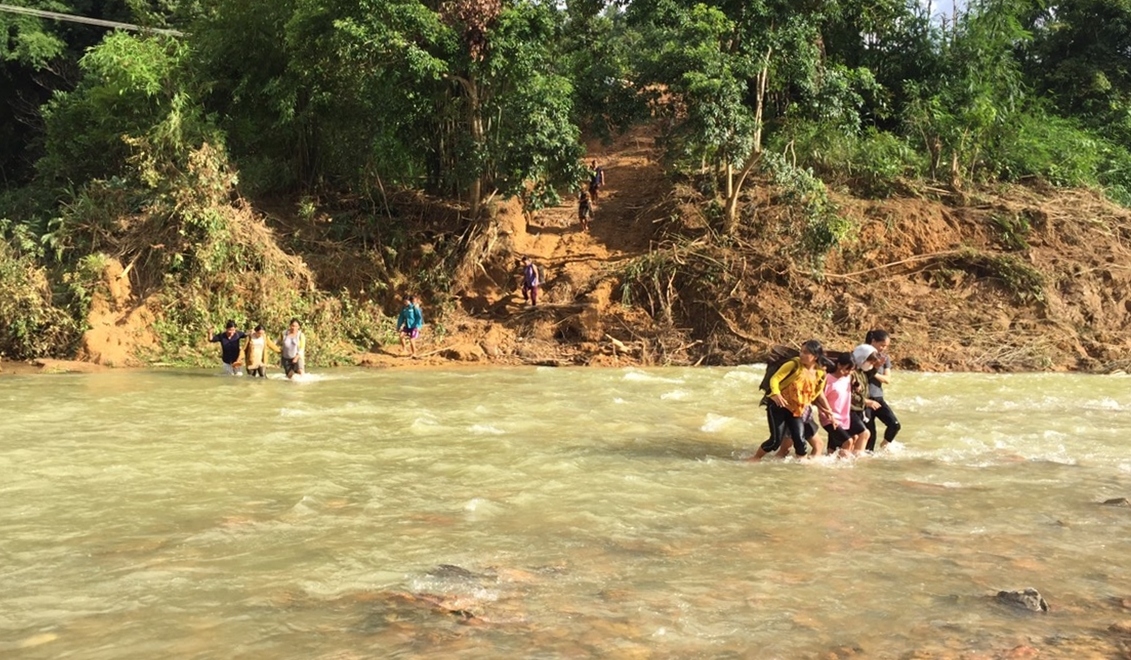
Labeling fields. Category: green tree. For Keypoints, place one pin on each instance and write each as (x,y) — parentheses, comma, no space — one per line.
(964,112)
(731,68)
(392,92)
(598,46)
(1081,56)
(134,88)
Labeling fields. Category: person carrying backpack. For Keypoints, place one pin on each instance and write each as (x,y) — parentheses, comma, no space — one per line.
(596,181)
(792,388)
(409,323)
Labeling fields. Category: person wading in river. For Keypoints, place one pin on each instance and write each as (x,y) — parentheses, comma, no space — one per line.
(294,350)
(795,386)
(866,360)
(849,430)
(877,378)
(229,347)
(255,352)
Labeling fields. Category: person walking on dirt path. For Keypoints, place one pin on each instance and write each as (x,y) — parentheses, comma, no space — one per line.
(255,352)
(596,180)
(229,347)
(294,350)
(531,281)
(584,210)
(409,322)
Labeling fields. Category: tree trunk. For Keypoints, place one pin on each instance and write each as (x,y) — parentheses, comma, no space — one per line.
(735,188)
(475,122)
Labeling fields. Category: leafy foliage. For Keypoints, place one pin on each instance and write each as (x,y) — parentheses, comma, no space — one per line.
(820,227)
(33,326)
(871,162)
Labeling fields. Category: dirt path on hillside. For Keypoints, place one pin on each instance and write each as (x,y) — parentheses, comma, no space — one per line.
(579,268)
(573,260)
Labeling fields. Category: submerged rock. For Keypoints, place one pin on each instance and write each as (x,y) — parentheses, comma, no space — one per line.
(1117,501)
(1029,599)
(452,571)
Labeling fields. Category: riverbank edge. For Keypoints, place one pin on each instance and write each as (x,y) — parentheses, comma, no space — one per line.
(45,366)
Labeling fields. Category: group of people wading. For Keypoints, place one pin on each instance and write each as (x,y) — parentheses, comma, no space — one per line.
(847,390)
(291,349)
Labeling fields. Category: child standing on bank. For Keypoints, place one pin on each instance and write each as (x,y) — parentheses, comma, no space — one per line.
(409,322)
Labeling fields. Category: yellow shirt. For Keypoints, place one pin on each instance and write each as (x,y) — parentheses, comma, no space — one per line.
(800,390)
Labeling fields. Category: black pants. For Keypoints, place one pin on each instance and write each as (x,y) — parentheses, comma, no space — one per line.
(838,437)
(885,415)
(782,422)
(260,371)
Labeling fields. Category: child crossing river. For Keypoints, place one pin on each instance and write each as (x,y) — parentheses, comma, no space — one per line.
(844,391)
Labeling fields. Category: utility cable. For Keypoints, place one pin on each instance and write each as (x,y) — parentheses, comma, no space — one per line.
(39,13)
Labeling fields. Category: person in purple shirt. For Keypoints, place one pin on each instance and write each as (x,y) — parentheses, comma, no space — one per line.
(229,347)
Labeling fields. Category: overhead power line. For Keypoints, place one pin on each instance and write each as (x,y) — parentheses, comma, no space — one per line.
(39,13)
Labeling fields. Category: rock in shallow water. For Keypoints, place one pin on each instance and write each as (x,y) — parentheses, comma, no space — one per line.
(1117,501)
(1029,599)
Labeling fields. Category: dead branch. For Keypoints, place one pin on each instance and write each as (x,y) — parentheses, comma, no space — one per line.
(921,257)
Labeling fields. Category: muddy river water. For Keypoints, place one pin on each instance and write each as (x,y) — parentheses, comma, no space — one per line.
(551,513)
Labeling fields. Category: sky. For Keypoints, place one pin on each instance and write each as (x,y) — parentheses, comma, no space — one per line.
(944,7)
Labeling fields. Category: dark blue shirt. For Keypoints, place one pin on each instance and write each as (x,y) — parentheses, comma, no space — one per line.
(229,346)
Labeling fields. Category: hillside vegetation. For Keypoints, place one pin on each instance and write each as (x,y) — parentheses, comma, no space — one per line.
(776,170)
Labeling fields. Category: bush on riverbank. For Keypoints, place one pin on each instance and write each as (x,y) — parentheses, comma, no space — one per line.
(33,326)
(196,255)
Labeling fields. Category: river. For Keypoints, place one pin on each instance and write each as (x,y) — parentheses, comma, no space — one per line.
(550,513)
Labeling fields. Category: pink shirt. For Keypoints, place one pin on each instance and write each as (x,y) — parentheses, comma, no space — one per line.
(838,390)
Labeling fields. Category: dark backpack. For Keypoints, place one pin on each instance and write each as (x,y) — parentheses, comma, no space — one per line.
(777,357)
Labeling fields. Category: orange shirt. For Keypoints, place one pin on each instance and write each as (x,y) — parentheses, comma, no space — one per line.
(800,393)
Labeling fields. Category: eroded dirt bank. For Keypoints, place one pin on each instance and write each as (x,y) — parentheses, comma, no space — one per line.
(1009,279)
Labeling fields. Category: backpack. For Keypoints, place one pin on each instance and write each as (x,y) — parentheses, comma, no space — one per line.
(778,356)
